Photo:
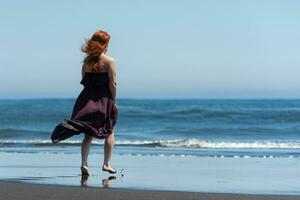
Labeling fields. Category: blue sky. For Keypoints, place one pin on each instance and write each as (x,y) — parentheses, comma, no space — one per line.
(163,49)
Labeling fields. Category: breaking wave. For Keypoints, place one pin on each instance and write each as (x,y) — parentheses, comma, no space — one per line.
(183,143)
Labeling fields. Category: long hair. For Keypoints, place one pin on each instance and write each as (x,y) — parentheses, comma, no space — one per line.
(93,48)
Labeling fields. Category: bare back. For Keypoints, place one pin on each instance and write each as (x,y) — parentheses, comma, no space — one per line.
(103,60)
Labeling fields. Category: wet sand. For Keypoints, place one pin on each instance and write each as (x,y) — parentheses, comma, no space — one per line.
(268,176)
(55,175)
(26,191)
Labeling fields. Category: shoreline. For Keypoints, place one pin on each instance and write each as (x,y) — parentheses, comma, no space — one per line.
(15,190)
(253,176)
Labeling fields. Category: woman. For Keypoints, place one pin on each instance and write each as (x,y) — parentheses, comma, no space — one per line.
(95,112)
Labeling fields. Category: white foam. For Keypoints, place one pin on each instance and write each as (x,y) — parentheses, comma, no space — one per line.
(187,143)
(228,144)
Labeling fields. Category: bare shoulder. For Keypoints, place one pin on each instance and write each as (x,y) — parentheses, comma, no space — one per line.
(108,60)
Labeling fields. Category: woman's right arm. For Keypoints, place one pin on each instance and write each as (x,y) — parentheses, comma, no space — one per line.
(112,78)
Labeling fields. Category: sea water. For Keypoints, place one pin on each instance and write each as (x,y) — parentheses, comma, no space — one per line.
(238,128)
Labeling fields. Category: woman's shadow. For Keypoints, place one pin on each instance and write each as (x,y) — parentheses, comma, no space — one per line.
(106,183)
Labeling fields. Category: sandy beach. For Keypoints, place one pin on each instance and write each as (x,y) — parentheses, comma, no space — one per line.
(16,191)
(56,175)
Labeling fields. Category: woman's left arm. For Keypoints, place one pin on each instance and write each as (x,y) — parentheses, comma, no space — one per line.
(82,71)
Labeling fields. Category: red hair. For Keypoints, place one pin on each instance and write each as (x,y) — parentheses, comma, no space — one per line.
(93,49)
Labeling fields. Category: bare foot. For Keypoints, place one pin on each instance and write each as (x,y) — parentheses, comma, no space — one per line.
(84,171)
(108,168)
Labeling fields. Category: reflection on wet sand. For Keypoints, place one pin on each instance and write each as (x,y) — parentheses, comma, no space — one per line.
(106,183)
(84,180)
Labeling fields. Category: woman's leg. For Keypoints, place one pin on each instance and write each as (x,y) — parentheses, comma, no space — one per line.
(108,149)
(85,147)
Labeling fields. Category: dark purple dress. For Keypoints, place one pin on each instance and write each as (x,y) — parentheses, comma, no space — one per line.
(94,111)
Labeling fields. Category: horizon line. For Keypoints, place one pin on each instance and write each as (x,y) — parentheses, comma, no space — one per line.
(138,98)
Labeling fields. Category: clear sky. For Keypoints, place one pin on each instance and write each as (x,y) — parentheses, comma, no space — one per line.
(163,49)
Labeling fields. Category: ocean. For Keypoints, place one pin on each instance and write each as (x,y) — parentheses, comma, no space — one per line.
(238,128)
